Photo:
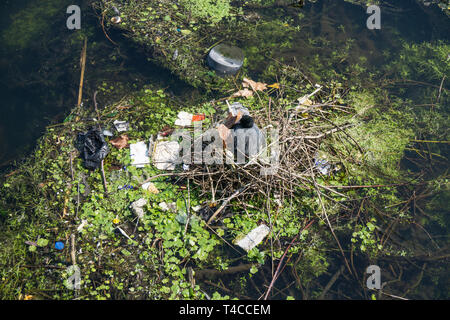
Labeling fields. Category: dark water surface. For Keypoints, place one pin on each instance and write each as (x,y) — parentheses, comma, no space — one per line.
(39,69)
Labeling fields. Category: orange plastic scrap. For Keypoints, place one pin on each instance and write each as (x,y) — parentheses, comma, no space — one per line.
(198,117)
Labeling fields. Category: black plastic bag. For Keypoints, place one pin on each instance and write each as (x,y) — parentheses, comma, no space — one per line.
(92,147)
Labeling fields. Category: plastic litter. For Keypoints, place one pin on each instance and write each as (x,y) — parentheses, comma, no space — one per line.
(139,154)
(126,187)
(305,101)
(92,147)
(150,187)
(248,141)
(253,238)
(59,245)
(82,225)
(123,233)
(237,108)
(120,142)
(198,117)
(175,55)
(165,155)
(322,165)
(168,206)
(137,207)
(184,119)
(181,218)
(107,133)
(116,19)
(225,59)
(121,125)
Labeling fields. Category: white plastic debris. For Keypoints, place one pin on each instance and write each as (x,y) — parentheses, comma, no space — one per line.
(168,206)
(116,19)
(121,125)
(184,119)
(254,237)
(139,154)
(137,207)
(165,155)
(305,101)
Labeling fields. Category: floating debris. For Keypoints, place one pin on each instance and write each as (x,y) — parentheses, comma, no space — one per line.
(225,59)
(116,19)
(168,206)
(139,154)
(150,187)
(137,207)
(92,147)
(165,156)
(253,238)
(121,125)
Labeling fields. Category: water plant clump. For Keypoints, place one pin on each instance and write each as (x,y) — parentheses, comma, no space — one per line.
(318,221)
